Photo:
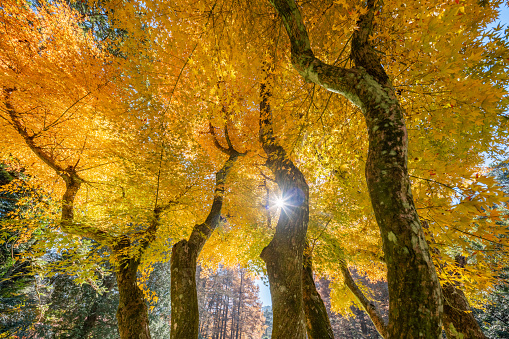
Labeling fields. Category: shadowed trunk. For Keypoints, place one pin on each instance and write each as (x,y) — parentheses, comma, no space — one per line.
(415,293)
(184,297)
(459,322)
(317,320)
(283,255)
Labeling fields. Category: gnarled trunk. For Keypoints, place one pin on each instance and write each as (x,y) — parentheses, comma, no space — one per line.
(283,255)
(132,312)
(317,320)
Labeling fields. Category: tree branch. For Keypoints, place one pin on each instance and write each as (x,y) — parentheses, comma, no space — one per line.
(368,306)
(332,78)
(202,232)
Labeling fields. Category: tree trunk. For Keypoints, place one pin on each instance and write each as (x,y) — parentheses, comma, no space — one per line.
(238,332)
(283,255)
(225,313)
(184,298)
(132,312)
(415,293)
(459,321)
(317,320)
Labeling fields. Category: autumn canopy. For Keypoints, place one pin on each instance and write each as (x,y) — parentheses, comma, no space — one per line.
(296,139)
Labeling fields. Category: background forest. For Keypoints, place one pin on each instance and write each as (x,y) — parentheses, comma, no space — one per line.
(157,159)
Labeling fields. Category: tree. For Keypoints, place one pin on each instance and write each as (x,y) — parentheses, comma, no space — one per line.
(184,298)
(126,129)
(283,255)
(49,31)
(15,281)
(415,293)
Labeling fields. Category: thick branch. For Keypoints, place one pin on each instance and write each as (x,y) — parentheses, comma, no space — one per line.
(29,139)
(150,233)
(202,232)
(363,54)
(230,150)
(335,79)
(317,320)
(368,306)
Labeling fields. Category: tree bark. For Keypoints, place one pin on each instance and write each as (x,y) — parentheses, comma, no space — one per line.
(132,312)
(317,320)
(283,255)
(459,322)
(415,294)
(184,298)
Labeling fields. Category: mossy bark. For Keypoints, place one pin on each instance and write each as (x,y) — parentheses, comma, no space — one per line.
(415,294)
(283,255)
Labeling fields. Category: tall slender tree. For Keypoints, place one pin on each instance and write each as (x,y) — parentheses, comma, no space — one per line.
(184,255)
